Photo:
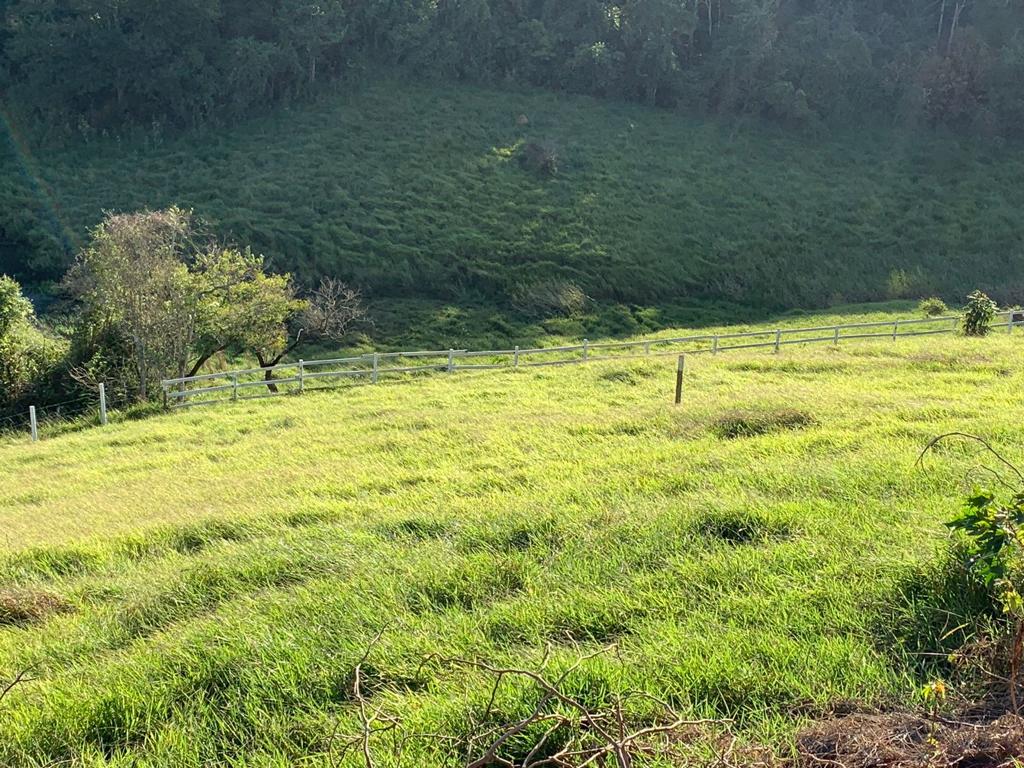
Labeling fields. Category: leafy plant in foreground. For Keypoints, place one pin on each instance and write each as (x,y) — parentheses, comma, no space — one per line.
(978,314)
(994,526)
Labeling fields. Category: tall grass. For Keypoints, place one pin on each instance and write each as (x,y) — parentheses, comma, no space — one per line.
(203,583)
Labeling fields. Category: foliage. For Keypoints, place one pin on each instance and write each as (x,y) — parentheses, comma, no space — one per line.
(94,64)
(27,354)
(978,314)
(157,302)
(933,307)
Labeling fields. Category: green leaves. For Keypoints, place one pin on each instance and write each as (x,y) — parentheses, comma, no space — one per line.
(978,314)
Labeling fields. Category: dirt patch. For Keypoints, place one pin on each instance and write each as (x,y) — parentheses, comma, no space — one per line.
(910,741)
(21,607)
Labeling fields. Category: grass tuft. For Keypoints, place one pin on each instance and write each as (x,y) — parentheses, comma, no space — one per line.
(20,607)
(754,423)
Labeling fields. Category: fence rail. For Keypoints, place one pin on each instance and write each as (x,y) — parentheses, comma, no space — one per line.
(317,374)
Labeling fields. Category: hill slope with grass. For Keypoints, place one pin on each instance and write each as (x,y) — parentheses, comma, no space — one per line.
(436,192)
(206,586)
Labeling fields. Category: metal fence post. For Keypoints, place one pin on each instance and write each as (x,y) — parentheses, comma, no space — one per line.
(451,361)
(376,367)
(103,405)
(302,376)
(33,423)
(778,340)
(515,357)
(680,367)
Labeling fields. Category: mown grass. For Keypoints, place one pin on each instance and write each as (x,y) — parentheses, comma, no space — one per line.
(219,572)
(411,189)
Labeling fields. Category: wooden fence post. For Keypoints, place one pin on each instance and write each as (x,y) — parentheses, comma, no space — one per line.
(714,345)
(835,338)
(376,367)
(167,405)
(895,330)
(586,344)
(647,348)
(1009,323)
(515,357)
(33,423)
(680,367)
(103,405)
(302,376)
(451,361)
(234,386)
(778,340)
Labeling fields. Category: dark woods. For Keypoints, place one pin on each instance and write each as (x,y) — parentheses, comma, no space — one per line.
(96,64)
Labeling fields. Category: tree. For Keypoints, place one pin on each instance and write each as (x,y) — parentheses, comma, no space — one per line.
(158,300)
(328,315)
(26,353)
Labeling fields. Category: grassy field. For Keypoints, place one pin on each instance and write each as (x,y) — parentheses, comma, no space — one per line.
(415,190)
(198,588)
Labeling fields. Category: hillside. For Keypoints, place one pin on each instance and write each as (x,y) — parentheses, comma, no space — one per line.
(412,190)
(202,586)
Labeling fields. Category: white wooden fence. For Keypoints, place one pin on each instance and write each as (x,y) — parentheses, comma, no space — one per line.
(319,374)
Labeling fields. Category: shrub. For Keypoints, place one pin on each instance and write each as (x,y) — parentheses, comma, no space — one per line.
(547,298)
(932,307)
(539,158)
(978,314)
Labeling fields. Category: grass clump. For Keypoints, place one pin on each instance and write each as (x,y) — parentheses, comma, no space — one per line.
(754,423)
(19,607)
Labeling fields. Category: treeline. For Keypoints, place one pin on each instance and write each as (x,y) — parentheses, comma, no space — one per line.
(94,64)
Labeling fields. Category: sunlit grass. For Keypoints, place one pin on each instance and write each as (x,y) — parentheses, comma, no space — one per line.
(216,573)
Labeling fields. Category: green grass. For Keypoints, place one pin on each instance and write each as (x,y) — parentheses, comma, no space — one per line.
(197,588)
(413,190)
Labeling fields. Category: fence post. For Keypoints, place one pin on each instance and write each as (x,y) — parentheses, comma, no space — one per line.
(234,386)
(1009,323)
(585,350)
(647,348)
(103,405)
(515,357)
(376,367)
(680,367)
(895,330)
(835,338)
(714,345)
(302,376)
(166,404)
(34,423)
(778,340)
(451,361)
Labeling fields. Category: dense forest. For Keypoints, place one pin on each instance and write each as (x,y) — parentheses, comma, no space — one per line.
(90,65)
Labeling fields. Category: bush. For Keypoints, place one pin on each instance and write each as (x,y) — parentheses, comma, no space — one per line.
(978,314)
(932,307)
(548,298)
(539,158)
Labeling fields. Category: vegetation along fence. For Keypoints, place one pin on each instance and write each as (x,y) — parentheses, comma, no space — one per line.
(320,374)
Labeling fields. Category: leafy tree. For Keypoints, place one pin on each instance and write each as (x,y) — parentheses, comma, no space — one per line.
(157,301)
(326,315)
(26,353)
